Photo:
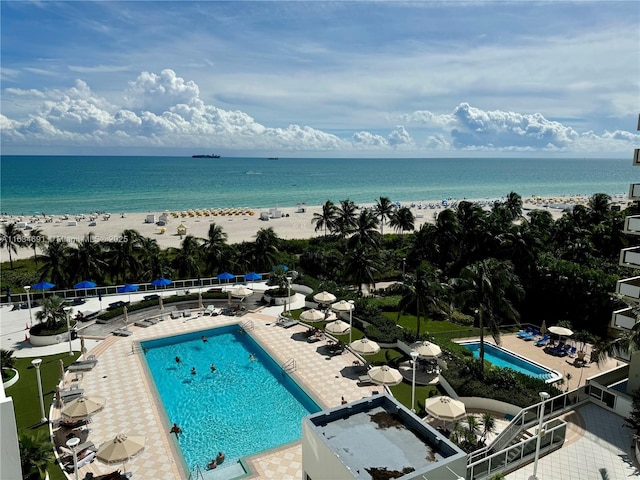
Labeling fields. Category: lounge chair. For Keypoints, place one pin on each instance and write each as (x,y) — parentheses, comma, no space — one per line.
(531,335)
(186,313)
(122,332)
(176,314)
(525,332)
(572,352)
(286,322)
(211,310)
(364,380)
(82,366)
(142,323)
(543,341)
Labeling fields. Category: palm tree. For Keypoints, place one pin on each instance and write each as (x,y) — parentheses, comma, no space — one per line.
(383,209)
(186,262)
(11,238)
(123,256)
(7,360)
(36,454)
(264,248)
(55,261)
(600,206)
(36,238)
(419,291)
(488,423)
(345,221)
(87,260)
(214,247)
(52,312)
(361,267)
(153,264)
(326,218)
(403,220)
(513,205)
(491,287)
(366,231)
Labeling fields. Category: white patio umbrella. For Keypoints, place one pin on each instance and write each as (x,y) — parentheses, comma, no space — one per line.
(83,348)
(312,315)
(385,375)
(121,449)
(445,408)
(160,302)
(200,305)
(426,349)
(324,297)
(337,327)
(342,306)
(61,370)
(364,346)
(126,315)
(82,407)
(561,331)
(241,292)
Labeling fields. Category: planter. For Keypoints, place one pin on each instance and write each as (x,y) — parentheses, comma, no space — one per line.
(279,300)
(44,340)
(13,380)
(581,356)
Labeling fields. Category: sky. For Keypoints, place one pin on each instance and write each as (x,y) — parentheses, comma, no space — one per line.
(320,79)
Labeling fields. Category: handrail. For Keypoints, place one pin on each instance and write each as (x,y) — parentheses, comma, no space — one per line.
(290,365)
(247,325)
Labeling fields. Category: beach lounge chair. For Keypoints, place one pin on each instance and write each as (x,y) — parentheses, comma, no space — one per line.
(531,335)
(82,366)
(364,380)
(543,341)
(210,310)
(572,352)
(176,314)
(122,332)
(525,332)
(186,313)
(142,323)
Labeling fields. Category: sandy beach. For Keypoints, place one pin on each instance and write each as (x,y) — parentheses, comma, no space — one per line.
(295,222)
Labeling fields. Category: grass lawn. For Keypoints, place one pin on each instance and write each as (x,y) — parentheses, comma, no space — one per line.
(26,398)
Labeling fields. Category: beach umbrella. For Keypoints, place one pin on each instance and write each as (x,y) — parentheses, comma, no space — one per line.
(312,315)
(385,375)
(561,331)
(225,276)
(161,282)
(121,449)
(324,297)
(160,302)
(58,402)
(445,408)
(241,292)
(364,346)
(125,312)
(253,276)
(83,407)
(128,288)
(42,286)
(85,284)
(200,305)
(83,348)
(280,267)
(342,306)
(61,370)
(337,328)
(426,349)
(543,327)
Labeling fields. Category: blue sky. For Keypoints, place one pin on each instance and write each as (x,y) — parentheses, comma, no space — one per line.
(316,78)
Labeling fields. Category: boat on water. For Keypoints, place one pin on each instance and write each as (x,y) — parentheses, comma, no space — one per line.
(272,158)
(205,156)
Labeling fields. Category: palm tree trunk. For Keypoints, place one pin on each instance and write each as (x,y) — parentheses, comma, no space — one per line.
(481,326)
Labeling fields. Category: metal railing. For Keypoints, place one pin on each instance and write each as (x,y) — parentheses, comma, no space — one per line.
(248,325)
(290,365)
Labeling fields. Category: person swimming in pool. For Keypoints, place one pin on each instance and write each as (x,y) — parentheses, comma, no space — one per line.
(251,357)
(193,370)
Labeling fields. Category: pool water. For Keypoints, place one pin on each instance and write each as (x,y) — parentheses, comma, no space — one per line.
(242,408)
(503,358)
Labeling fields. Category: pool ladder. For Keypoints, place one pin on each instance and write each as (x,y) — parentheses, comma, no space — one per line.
(248,325)
(290,365)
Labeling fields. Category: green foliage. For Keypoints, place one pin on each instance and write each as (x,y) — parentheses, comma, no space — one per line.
(36,454)
(6,359)
(633,420)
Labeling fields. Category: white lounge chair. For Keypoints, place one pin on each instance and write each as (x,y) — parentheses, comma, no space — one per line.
(176,314)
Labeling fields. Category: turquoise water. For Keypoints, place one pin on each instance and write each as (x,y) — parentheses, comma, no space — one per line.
(74,184)
(504,359)
(242,408)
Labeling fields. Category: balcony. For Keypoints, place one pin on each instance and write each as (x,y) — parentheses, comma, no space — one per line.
(623,319)
(630,257)
(629,287)
(634,191)
(632,225)
(636,157)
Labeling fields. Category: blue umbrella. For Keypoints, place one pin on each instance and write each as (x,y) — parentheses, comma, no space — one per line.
(128,288)
(283,267)
(83,285)
(225,276)
(42,286)
(253,276)
(161,282)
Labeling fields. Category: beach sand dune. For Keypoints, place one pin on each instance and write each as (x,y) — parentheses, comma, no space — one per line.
(295,223)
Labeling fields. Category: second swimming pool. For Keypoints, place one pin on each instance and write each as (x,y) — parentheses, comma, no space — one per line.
(503,358)
(241,408)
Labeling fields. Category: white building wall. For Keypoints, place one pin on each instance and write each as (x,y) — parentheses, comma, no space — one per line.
(9,450)
(318,461)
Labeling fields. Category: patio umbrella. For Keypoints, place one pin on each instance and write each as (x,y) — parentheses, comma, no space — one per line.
(82,408)
(128,288)
(543,327)
(445,408)
(83,348)
(61,370)
(200,305)
(364,346)
(280,266)
(385,375)
(85,284)
(160,303)
(161,282)
(426,349)
(121,449)
(241,292)
(125,312)
(225,276)
(342,306)
(252,277)
(561,331)
(312,315)
(42,286)
(324,297)
(337,327)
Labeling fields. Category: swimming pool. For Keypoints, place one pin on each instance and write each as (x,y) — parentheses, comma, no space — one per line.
(242,408)
(503,358)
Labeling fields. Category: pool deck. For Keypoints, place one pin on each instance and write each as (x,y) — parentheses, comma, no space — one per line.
(132,408)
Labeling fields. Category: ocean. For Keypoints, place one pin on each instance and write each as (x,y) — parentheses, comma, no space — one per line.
(81,184)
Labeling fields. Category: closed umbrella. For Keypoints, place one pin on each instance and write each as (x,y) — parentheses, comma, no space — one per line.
(200,305)
(125,312)
(121,449)
(160,303)
(385,375)
(426,349)
(83,348)
(61,370)
(543,327)
(364,346)
(82,408)
(324,297)
(161,282)
(312,315)
(337,327)
(445,408)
